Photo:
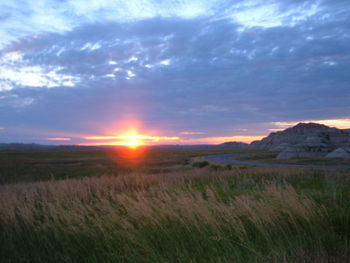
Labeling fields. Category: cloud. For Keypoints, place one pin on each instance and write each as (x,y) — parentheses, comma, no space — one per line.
(338,123)
(58,139)
(23,18)
(191,133)
(220,68)
(16,72)
(268,14)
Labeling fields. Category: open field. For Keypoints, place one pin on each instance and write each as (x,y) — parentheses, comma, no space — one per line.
(165,210)
(42,165)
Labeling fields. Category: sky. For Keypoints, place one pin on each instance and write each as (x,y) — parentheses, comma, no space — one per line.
(171,71)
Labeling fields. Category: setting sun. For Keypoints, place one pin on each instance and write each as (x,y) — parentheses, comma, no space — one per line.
(131,139)
(133,143)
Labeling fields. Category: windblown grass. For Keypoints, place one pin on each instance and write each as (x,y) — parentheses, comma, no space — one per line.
(250,215)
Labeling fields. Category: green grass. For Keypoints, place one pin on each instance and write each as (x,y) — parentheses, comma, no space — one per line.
(189,215)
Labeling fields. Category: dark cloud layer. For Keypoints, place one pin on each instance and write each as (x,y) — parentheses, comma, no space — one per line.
(207,73)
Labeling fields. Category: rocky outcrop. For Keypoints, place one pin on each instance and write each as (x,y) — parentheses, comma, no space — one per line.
(281,147)
(305,140)
(340,153)
(303,151)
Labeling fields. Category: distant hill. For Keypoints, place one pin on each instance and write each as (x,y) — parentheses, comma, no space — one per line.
(24,146)
(226,145)
(305,140)
(233,145)
(34,146)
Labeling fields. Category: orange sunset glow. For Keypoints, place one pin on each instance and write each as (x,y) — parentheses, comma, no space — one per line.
(132,140)
(134,134)
(131,133)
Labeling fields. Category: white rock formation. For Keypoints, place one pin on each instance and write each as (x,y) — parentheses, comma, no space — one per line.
(340,153)
(305,140)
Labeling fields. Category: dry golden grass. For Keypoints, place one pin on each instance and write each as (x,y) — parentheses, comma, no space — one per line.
(145,197)
(254,213)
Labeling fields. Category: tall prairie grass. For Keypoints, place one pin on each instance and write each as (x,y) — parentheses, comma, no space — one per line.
(243,215)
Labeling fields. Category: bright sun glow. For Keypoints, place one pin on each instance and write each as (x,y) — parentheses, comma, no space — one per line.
(132,143)
(131,140)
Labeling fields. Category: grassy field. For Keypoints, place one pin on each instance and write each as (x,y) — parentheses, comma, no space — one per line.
(43,165)
(176,213)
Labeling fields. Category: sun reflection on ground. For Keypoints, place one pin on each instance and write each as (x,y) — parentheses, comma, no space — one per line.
(129,151)
(129,155)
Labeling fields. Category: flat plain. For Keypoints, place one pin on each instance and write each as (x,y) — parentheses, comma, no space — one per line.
(153,205)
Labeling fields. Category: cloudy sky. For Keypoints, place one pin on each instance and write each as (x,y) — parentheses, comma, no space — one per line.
(172,71)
